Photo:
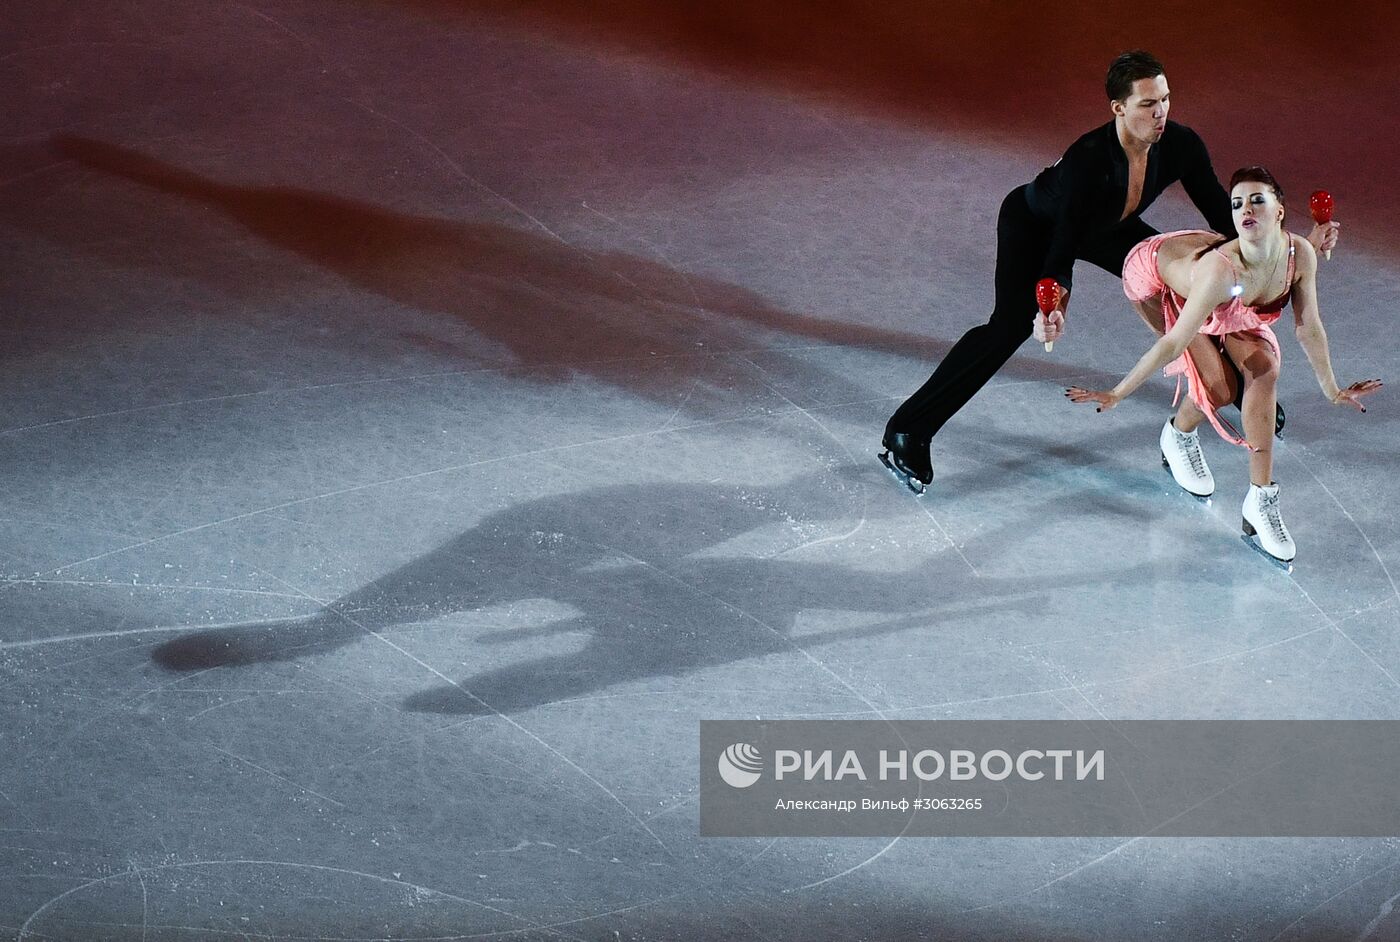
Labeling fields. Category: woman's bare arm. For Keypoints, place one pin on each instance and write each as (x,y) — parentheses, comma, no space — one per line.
(1313,337)
(1210,286)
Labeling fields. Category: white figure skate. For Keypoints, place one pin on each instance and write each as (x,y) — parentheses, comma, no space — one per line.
(1181,455)
(1264,524)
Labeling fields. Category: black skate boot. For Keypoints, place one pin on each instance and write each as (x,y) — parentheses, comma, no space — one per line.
(908,459)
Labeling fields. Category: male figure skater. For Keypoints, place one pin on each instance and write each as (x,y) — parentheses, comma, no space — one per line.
(1087,205)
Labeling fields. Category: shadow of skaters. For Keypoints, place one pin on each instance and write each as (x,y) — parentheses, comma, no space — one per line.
(658,596)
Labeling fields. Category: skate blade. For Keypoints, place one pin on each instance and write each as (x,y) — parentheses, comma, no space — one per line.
(912,483)
(1286,566)
(1167,468)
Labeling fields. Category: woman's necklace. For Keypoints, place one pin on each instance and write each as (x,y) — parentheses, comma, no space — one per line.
(1273,270)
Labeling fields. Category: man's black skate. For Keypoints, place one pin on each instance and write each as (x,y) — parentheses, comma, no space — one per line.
(908,459)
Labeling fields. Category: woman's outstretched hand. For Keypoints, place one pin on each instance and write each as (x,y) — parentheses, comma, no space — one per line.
(1351,395)
(1105,398)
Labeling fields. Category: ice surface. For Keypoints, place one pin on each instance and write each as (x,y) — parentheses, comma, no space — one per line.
(417,417)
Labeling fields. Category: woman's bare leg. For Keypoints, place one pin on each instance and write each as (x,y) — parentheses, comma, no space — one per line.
(1217,376)
(1259,363)
(1207,356)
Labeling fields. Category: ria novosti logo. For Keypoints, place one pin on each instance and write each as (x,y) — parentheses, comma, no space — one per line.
(740,765)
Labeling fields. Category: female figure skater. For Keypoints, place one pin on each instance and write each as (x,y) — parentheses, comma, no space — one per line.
(1216,300)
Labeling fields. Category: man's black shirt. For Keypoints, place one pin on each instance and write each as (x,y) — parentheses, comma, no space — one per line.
(1082,195)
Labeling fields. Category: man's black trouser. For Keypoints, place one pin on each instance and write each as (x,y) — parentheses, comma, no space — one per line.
(1022,243)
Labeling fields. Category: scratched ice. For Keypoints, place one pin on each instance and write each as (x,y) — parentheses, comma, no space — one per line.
(417,417)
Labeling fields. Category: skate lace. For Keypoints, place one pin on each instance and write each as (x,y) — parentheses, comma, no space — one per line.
(1192,447)
(1268,505)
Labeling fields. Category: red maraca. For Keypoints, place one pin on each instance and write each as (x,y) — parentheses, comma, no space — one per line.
(1321,205)
(1047,295)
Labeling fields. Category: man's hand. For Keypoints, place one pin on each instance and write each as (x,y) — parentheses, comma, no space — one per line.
(1324,237)
(1049,327)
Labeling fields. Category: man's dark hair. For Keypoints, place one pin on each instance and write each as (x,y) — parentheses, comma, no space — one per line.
(1127,69)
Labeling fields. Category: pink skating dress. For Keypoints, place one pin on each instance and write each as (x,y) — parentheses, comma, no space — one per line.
(1142,281)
